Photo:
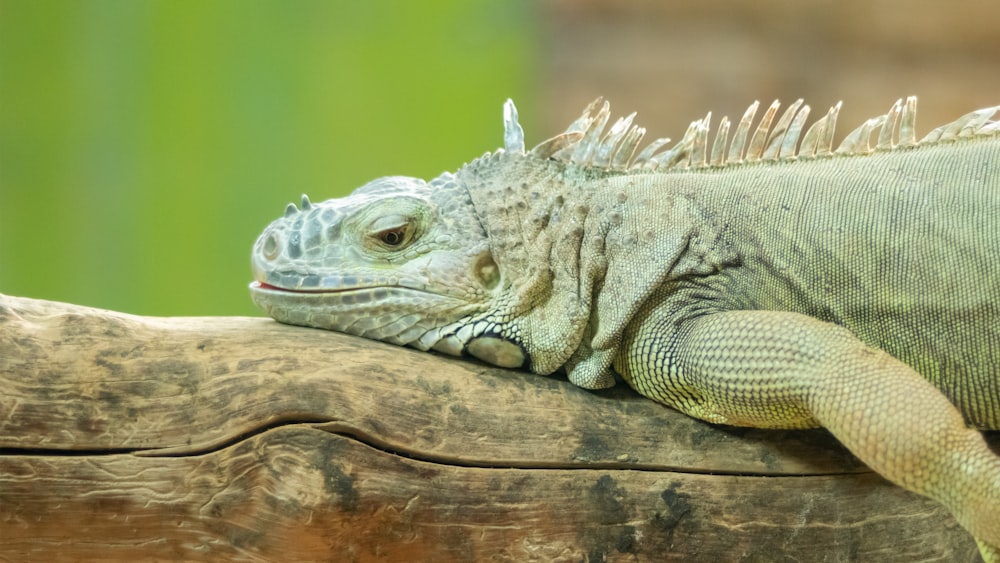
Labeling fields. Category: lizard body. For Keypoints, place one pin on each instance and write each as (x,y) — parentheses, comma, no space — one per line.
(761,279)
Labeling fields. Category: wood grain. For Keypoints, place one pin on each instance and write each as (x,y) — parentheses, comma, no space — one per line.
(210,439)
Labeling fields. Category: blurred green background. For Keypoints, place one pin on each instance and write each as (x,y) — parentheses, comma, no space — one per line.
(145,143)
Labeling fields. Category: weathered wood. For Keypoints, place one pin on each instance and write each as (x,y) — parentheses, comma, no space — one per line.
(125,437)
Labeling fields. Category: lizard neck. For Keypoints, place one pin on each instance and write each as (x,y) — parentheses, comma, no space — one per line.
(544,237)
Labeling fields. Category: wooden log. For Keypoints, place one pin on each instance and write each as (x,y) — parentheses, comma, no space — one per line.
(211,439)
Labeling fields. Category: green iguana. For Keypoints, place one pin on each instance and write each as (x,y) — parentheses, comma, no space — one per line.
(761,280)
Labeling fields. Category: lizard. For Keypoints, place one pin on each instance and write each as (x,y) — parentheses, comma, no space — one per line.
(763,278)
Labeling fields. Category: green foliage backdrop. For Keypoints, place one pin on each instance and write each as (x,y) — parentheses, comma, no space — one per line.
(144,144)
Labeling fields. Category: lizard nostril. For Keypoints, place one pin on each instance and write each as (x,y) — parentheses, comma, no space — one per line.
(271,248)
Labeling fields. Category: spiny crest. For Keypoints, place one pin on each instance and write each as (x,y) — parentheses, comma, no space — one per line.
(585,141)
(291,209)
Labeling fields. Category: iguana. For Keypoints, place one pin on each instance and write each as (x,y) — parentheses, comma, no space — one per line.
(764,279)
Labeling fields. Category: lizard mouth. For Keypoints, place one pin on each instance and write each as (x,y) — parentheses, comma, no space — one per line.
(263,286)
(313,284)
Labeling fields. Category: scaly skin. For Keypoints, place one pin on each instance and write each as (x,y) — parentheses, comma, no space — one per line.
(763,280)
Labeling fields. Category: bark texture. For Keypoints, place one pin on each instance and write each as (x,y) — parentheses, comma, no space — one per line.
(212,439)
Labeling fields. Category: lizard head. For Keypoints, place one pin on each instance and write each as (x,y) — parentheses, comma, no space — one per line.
(460,264)
(399,260)
(493,261)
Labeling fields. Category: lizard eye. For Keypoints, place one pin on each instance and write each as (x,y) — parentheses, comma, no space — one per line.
(392,232)
(393,237)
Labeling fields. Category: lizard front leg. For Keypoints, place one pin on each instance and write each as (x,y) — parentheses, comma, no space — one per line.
(786,370)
